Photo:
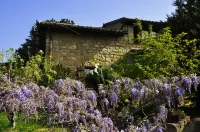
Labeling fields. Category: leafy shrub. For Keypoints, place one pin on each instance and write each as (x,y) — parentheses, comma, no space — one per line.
(176,115)
(39,69)
(179,113)
(61,71)
(160,55)
(99,76)
(94,77)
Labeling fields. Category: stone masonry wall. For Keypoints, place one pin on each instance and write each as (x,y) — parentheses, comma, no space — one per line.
(75,50)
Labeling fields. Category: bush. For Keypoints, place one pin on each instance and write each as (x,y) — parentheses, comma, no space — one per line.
(39,69)
(61,71)
(161,55)
(176,115)
(100,76)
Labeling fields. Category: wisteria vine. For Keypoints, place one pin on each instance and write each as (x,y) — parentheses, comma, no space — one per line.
(70,103)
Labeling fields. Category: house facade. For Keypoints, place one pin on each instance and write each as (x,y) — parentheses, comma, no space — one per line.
(77,46)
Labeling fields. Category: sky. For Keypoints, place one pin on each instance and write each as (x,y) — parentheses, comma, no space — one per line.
(18,16)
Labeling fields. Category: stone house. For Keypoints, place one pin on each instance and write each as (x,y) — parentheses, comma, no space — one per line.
(77,46)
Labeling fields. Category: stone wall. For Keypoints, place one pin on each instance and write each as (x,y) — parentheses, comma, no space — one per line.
(75,50)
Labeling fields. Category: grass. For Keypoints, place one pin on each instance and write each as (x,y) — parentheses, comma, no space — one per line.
(21,125)
(30,126)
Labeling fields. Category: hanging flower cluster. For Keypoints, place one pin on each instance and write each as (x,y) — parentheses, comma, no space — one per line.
(71,103)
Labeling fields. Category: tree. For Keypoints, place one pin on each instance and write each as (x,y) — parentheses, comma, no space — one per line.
(186,18)
(68,21)
(32,46)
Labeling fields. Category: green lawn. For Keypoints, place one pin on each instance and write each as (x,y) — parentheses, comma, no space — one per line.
(29,126)
(21,125)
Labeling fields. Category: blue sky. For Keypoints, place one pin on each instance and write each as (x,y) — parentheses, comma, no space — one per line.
(18,16)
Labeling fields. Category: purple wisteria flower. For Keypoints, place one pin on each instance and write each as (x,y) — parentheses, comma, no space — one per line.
(70,102)
(148,125)
(79,86)
(187,83)
(91,116)
(167,89)
(4,78)
(33,108)
(83,119)
(69,92)
(83,104)
(138,85)
(116,81)
(162,113)
(142,95)
(115,87)
(134,93)
(103,94)
(51,102)
(76,129)
(169,101)
(77,116)
(92,97)
(113,98)
(159,129)
(110,124)
(77,108)
(91,109)
(179,92)
(22,97)
(144,128)
(107,104)
(61,111)
(195,81)
(27,92)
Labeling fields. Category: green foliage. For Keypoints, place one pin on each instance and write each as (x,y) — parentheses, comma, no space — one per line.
(62,72)
(32,71)
(109,74)
(176,115)
(2,67)
(1,57)
(41,70)
(160,55)
(6,67)
(38,69)
(186,18)
(100,76)
(94,77)
(138,27)
(10,55)
(179,113)
(29,126)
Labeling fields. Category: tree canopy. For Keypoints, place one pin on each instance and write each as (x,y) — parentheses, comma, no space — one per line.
(186,18)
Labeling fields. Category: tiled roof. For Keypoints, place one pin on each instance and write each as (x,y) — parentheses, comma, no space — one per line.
(77,28)
(157,25)
(125,19)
